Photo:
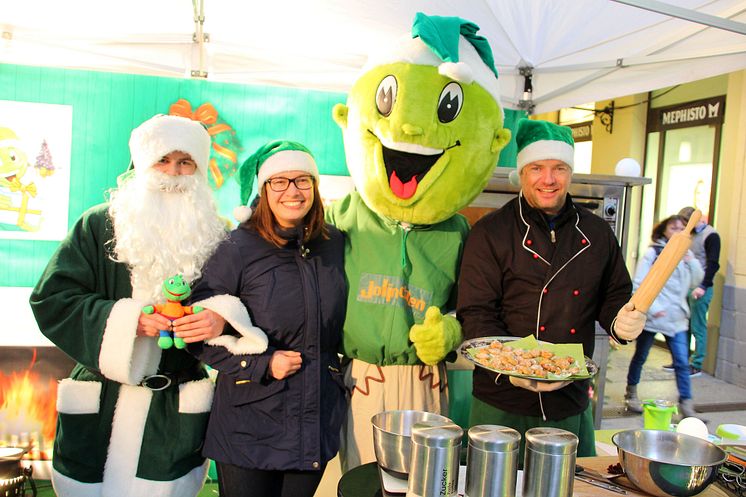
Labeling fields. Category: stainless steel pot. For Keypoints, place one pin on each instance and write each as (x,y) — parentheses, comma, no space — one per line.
(668,464)
(392,431)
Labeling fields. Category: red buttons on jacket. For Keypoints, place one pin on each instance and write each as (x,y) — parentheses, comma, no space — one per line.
(576,292)
(546,290)
(542,328)
(529,242)
(572,331)
(583,241)
(536,256)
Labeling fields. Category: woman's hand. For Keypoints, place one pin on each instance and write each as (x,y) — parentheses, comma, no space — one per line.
(198,327)
(150,325)
(284,363)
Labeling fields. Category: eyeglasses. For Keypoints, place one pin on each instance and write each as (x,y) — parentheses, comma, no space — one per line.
(280,184)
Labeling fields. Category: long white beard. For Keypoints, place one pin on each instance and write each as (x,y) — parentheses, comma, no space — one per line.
(164,225)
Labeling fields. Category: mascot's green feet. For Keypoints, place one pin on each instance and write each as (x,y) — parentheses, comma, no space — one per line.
(168,342)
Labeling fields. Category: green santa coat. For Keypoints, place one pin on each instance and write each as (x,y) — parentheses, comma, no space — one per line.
(395,273)
(115,437)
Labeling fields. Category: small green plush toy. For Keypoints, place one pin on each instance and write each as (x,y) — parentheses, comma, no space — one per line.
(175,289)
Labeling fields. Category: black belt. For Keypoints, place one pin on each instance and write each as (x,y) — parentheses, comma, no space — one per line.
(164,379)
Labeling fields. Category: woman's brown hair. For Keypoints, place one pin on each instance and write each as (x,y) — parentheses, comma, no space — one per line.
(660,228)
(264,222)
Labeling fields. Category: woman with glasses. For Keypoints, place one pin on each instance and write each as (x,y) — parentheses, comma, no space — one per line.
(276,416)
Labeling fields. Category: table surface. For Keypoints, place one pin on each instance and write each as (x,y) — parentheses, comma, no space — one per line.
(363,481)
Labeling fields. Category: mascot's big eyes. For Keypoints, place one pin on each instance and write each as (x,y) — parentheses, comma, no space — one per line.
(450,102)
(386,95)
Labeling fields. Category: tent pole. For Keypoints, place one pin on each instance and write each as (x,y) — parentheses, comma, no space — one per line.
(687,14)
(199,37)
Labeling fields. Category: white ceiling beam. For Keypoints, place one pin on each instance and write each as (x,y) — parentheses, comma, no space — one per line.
(687,14)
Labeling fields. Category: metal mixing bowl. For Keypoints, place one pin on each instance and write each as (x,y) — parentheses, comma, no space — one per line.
(668,464)
(392,432)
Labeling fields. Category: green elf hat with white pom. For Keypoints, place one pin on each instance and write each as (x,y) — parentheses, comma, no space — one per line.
(272,158)
(541,140)
(449,43)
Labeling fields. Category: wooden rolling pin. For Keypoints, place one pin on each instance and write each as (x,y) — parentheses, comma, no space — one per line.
(667,261)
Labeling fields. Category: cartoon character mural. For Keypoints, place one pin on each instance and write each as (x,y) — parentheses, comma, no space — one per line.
(423,128)
(14,194)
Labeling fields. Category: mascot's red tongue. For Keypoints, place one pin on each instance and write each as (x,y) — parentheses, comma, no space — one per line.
(402,190)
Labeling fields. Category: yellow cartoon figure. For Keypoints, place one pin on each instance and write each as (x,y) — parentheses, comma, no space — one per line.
(13,167)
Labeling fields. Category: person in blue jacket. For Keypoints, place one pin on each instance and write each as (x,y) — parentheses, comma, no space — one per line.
(276,417)
(668,315)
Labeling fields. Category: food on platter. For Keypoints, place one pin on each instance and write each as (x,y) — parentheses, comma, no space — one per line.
(534,362)
(529,358)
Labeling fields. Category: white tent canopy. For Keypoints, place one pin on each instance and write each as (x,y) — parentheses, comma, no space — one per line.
(576,51)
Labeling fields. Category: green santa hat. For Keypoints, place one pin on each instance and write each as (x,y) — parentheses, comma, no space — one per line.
(162,134)
(449,43)
(542,140)
(274,157)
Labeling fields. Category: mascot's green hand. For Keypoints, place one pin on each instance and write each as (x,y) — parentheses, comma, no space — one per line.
(149,309)
(436,336)
(197,309)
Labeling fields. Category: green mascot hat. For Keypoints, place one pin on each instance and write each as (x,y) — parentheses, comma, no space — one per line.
(274,157)
(423,124)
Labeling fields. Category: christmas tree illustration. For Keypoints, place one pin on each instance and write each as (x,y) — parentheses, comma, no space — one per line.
(44,163)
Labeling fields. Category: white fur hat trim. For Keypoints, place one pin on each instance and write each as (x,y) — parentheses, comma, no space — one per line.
(162,134)
(286,160)
(545,150)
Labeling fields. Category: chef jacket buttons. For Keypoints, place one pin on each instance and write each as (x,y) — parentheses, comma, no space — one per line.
(583,241)
(529,242)
(546,290)
(576,292)
(315,465)
(536,256)
(243,364)
(572,331)
(542,328)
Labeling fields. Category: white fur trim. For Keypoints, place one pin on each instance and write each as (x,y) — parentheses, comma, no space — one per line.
(414,51)
(459,71)
(64,486)
(124,357)
(253,339)
(186,486)
(78,397)
(545,150)
(161,135)
(286,160)
(196,396)
(236,345)
(127,429)
(242,213)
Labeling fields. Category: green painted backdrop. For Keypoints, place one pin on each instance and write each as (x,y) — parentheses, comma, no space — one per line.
(107,106)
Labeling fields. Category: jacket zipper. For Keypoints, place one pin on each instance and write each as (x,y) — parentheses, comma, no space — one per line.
(551,234)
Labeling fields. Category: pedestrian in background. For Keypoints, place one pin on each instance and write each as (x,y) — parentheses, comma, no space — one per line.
(668,315)
(706,248)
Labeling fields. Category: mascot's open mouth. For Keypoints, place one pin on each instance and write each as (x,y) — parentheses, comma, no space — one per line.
(405,170)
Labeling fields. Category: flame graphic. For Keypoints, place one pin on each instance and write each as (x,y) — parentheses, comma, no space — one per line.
(27,407)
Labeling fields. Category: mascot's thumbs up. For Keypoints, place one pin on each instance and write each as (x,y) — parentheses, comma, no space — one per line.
(436,336)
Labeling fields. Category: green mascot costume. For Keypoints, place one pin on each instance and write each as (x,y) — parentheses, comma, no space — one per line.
(423,128)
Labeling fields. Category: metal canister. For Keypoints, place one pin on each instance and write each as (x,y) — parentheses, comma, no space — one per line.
(549,463)
(492,461)
(434,463)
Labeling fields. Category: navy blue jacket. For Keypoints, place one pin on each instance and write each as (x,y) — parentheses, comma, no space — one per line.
(297,295)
